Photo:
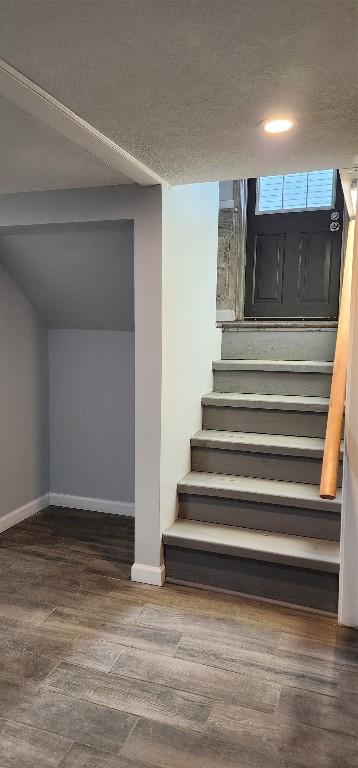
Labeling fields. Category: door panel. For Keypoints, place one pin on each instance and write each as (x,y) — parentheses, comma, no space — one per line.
(315,267)
(269,261)
(293,261)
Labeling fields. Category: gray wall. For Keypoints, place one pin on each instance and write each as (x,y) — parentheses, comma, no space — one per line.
(76,275)
(79,277)
(92,413)
(23,400)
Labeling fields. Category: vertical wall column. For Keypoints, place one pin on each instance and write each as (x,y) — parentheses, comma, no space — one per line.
(148,566)
(191,340)
(176,342)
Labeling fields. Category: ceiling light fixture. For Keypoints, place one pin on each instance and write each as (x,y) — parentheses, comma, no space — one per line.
(278,126)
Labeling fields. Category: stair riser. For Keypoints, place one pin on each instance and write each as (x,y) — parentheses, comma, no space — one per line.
(283,583)
(264,421)
(272,383)
(265,465)
(278,344)
(276,518)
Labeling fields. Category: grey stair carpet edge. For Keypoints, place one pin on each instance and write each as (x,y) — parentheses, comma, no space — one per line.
(268,491)
(267,402)
(312,554)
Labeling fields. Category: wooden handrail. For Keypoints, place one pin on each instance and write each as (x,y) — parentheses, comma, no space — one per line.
(330,465)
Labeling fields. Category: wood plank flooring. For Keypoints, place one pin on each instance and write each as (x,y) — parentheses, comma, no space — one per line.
(97,672)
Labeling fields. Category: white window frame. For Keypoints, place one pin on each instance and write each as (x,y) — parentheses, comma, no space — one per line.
(297,210)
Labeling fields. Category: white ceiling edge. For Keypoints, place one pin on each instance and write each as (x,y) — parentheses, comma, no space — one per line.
(17,88)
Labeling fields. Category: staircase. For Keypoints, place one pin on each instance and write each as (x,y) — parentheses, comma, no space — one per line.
(251,519)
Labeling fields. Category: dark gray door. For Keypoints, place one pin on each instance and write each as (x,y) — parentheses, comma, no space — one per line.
(293,260)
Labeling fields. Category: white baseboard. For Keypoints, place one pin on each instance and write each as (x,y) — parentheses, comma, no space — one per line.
(148,574)
(21,513)
(92,505)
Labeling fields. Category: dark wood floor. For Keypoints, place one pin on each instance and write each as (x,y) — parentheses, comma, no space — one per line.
(96,672)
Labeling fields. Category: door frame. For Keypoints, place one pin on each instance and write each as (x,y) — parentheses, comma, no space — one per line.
(230,295)
(234,220)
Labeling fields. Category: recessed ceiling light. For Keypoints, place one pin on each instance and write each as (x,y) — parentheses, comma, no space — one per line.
(278,126)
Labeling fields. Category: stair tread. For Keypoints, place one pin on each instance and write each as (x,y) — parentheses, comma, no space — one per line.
(278,325)
(291,366)
(257,489)
(269,402)
(300,551)
(257,442)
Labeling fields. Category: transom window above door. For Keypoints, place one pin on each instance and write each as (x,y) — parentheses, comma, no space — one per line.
(296,192)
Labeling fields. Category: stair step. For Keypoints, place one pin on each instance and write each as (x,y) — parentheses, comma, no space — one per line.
(270,341)
(301,495)
(266,414)
(267,402)
(273,377)
(279,324)
(287,366)
(263,505)
(273,457)
(286,445)
(286,569)
(299,551)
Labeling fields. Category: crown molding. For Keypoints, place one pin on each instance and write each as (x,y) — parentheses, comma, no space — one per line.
(41,105)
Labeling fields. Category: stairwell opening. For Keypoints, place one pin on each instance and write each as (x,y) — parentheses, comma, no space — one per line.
(281,240)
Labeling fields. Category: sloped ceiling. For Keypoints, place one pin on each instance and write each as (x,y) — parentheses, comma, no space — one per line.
(183,85)
(34,157)
(76,277)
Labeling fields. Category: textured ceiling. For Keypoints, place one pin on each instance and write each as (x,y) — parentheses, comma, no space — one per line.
(76,277)
(183,84)
(34,157)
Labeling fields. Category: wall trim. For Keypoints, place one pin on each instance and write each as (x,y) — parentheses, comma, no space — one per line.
(148,574)
(21,513)
(45,108)
(92,505)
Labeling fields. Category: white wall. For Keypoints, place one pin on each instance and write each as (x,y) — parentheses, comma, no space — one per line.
(348,598)
(23,401)
(92,416)
(191,340)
